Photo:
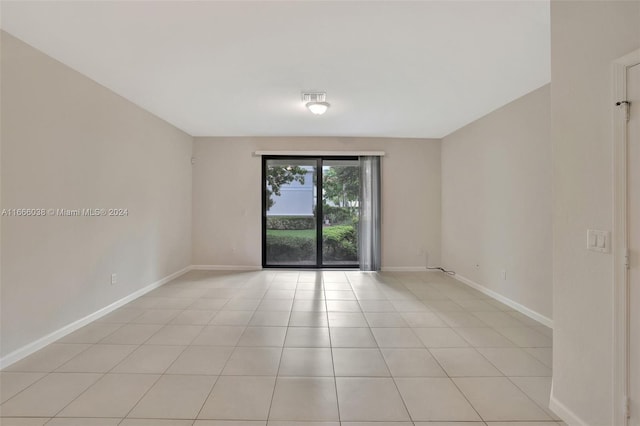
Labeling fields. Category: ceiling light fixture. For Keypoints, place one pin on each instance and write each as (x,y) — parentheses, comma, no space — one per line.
(316,102)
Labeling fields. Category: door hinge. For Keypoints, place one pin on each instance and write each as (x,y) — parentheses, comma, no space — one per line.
(626,258)
(627,108)
(627,410)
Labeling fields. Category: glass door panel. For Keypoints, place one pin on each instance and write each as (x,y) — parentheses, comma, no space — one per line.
(290,224)
(340,212)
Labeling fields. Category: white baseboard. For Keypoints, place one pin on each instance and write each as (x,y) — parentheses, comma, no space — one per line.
(512,304)
(404,268)
(568,416)
(226,267)
(32,347)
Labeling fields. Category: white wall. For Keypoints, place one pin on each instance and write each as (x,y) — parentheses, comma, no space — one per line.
(227,198)
(496,201)
(585,38)
(68,142)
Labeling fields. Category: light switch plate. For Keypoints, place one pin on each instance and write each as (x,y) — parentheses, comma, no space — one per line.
(599,241)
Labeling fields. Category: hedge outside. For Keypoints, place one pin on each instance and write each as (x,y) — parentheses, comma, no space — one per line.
(291,222)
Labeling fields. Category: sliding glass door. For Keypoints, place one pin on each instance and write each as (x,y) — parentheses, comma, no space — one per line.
(310,212)
(340,211)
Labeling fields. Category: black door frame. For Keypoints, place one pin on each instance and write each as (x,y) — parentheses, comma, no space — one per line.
(319,214)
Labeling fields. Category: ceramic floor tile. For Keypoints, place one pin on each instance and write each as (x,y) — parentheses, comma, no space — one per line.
(347,319)
(464,362)
(306,362)
(412,363)
(114,395)
(209,304)
(343,306)
(239,398)
(13,382)
(440,338)
(172,303)
(435,399)
(282,306)
(543,329)
(83,421)
(49,358)
(308,319)
(279,294)
(219,335)
(521,423)
(300,423)
(175,335)
(174,397)
(499,319)
(453,424)
(377,424)
(405,306)
(263,336)
(544,355)
(353,362)
(484,338)
(345,337)
(396,338)
(307,337)
(232,318)
(340,295)
(121,316)
(232,423)
(250,327)
(538,389)
(444,306)
(242,305)
(497,399)
(423,319)
(515,362)
(462,319)
(372,295)
(302,294)
(309,306)
(155,422)
(132,334)
(91,333)
(385,319)
(149,359)
(206,360)
(304,398)
(376,306)
(253,361)
(477,306)
(526,337)
(270,319)
(194,317)
(369,399)
(49,395)
(21,421)
(156,316)
(520,317)
(97,359)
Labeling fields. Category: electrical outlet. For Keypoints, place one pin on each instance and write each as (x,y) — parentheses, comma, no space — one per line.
(114,279)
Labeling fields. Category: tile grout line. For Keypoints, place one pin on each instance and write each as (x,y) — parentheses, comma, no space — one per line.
(275,379)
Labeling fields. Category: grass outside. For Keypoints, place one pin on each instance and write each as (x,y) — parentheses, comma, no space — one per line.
(299,233)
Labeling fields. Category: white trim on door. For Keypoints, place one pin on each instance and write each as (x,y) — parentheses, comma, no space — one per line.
(620,243)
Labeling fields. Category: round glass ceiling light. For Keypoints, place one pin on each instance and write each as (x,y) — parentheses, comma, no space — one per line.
(318,108)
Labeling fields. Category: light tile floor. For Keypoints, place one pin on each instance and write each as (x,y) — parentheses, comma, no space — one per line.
(285,347)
